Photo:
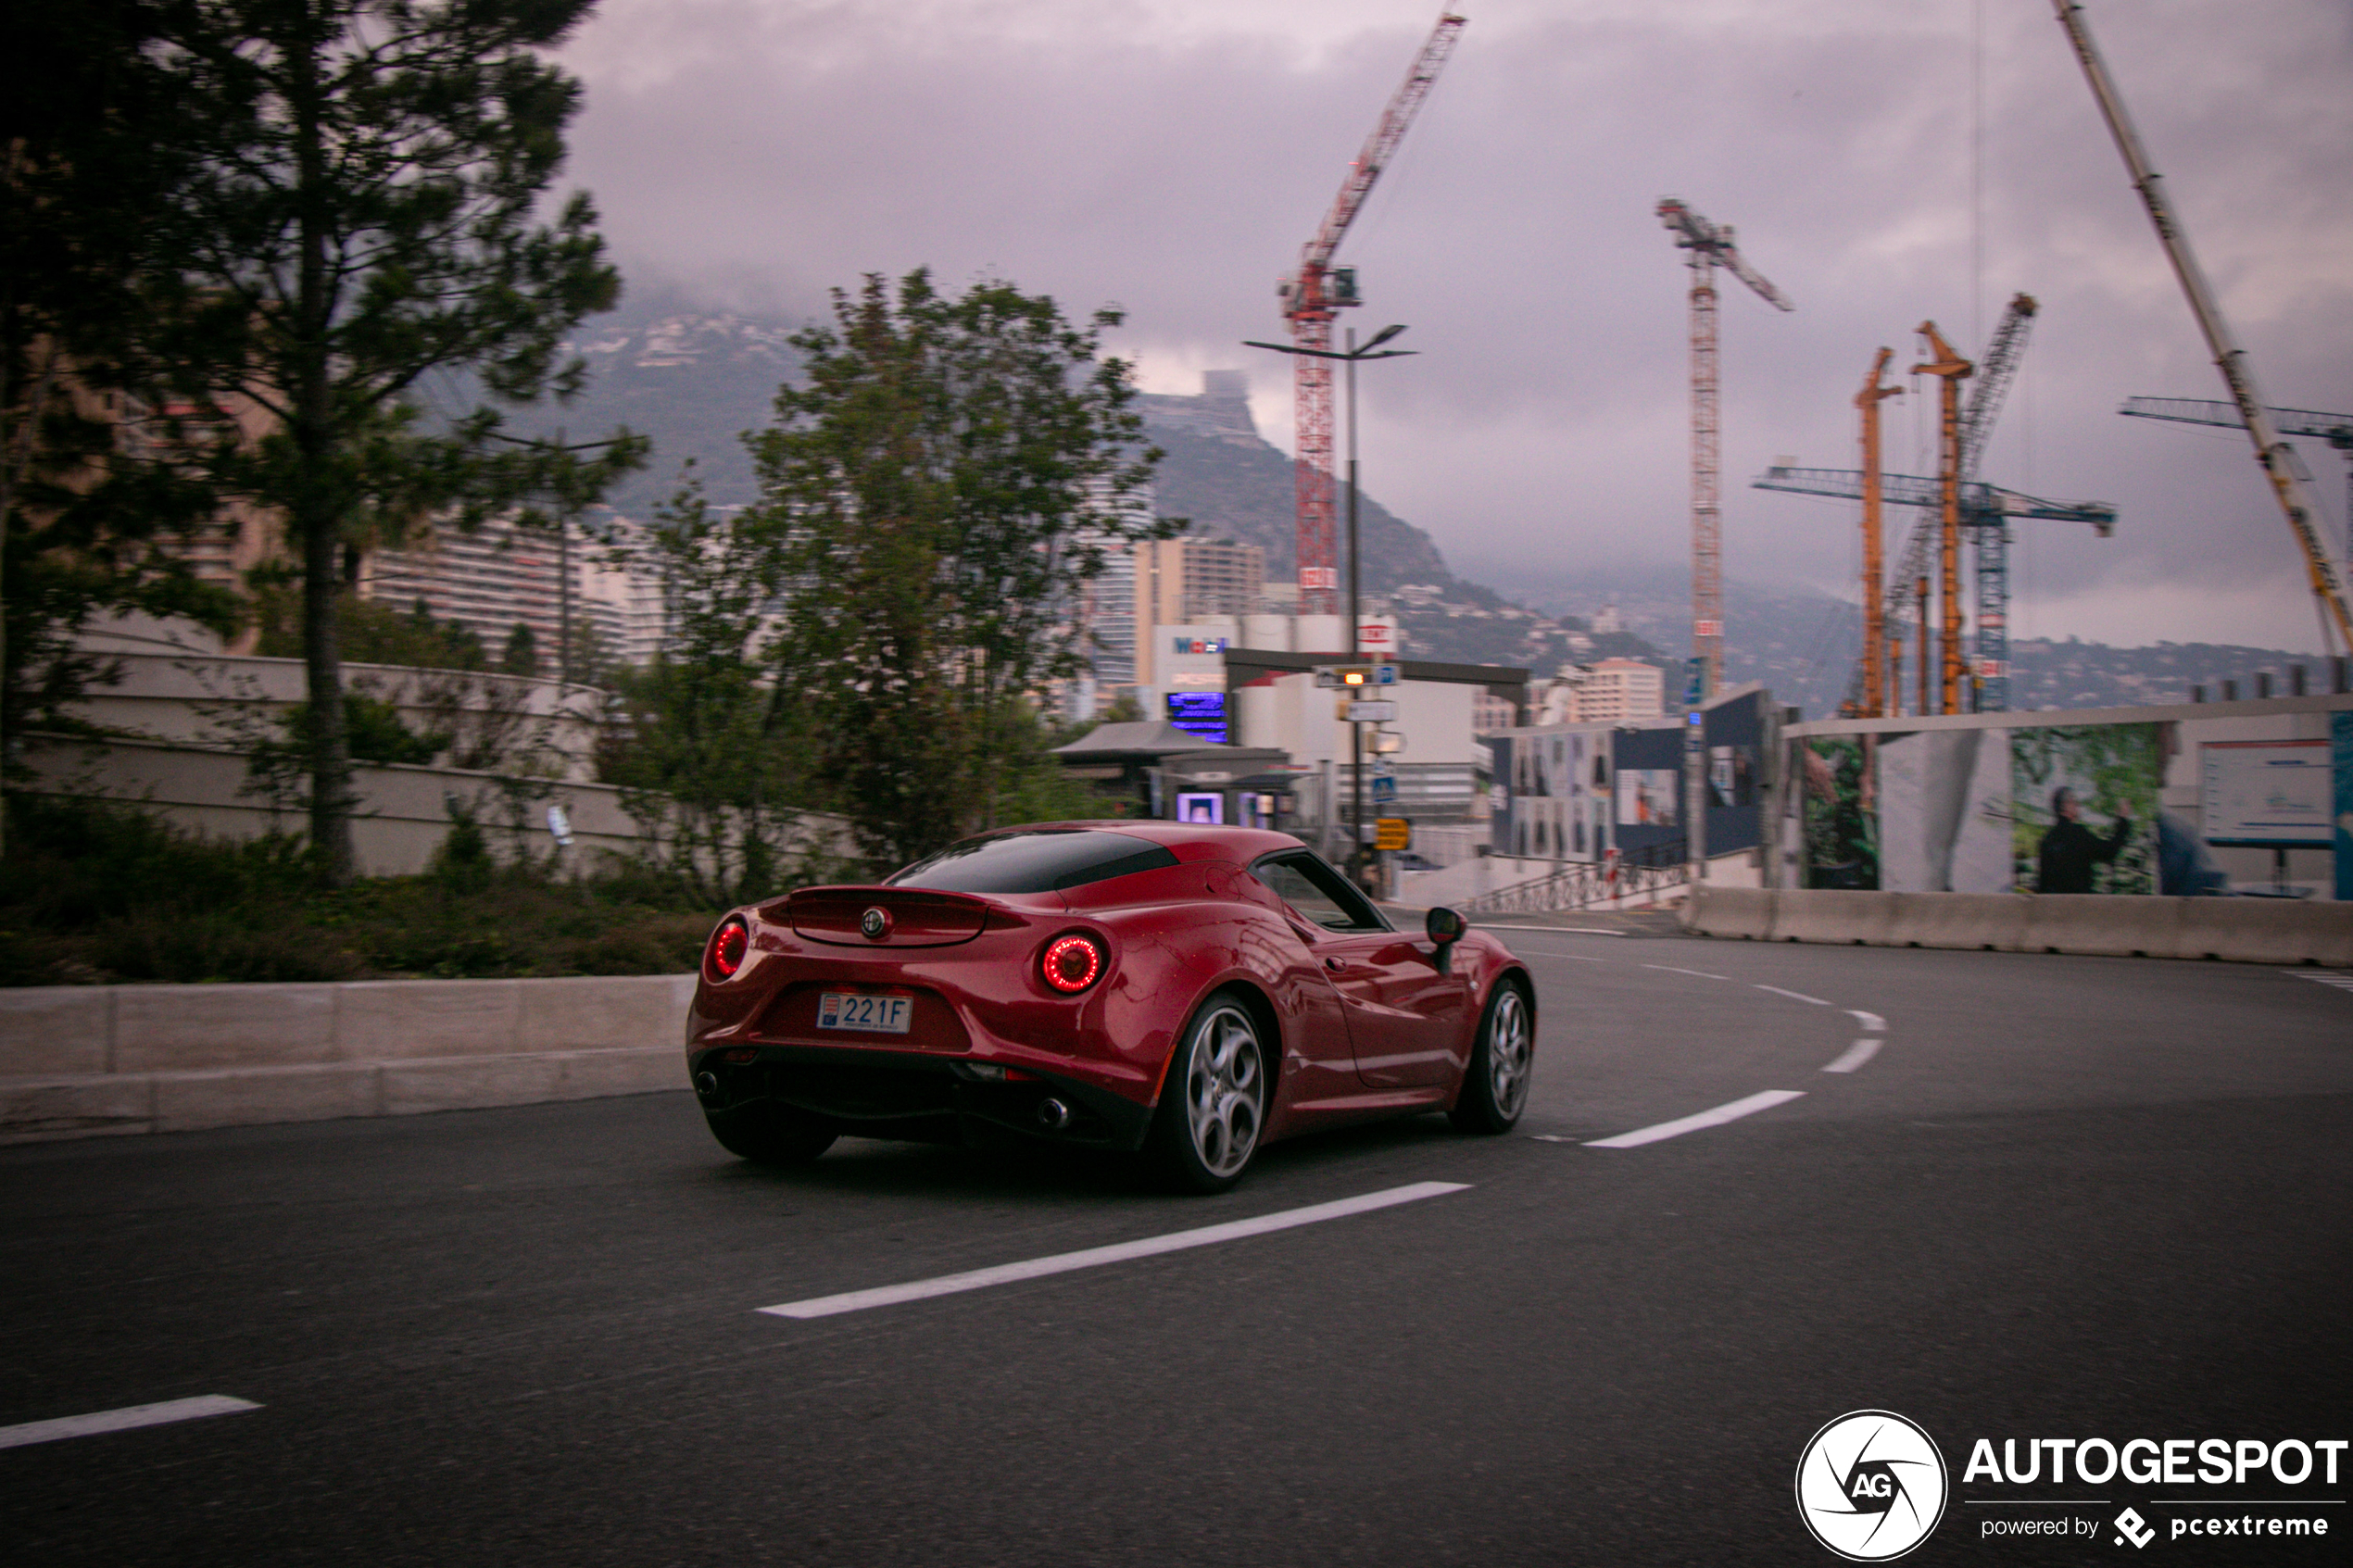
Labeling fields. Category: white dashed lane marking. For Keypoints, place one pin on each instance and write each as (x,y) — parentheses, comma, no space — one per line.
(2340,978)
(1794,996)
(123,1420)
(1672,970)
(1869,1021)
(1856,1054)
(1095,1256)
(1714,1118)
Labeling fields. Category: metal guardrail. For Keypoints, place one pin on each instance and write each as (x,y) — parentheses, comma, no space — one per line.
(1583,883)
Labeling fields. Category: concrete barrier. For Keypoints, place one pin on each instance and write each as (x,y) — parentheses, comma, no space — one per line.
(2286,930)
(2119,927)
(1985,920)
(2273,931)
(78,1060)
(1816,915)
(1745,912)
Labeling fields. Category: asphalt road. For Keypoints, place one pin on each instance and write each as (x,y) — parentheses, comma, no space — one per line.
(2063,1197)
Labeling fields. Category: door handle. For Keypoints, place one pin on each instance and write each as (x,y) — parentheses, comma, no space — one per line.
(1332,962)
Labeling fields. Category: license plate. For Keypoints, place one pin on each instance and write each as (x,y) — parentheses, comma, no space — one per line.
(879,1015)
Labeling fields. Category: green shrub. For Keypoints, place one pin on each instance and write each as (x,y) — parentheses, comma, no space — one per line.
(94,892)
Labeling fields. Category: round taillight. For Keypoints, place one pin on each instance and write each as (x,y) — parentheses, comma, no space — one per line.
(1073,964)
(727,944)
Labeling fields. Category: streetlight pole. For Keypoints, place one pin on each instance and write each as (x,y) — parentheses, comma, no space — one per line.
(1355,625)
(566,506)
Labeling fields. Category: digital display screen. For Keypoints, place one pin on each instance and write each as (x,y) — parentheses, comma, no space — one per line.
(1200,713)
(1203,808)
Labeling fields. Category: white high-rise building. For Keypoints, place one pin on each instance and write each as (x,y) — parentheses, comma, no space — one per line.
(500,577)
(1609,692)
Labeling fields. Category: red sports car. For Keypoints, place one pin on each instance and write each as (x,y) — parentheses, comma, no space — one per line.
(1192,992)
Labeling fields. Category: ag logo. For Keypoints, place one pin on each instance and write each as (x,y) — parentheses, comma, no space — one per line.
(1870,1486)
(875,924)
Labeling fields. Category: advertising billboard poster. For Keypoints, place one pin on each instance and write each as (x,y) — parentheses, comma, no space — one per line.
(2266,794)
(2084,808)
(1647,769)
(1733,733)
(1841,813)
(1944,813)
(2341,760)
(1502,792)
(1646,797)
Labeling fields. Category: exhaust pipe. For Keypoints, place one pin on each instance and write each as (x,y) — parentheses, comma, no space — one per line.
(1053,1114)
(707,1084)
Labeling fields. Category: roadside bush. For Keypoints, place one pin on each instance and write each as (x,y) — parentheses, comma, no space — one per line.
(92,892)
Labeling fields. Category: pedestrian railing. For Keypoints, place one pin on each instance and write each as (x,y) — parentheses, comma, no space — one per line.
(1580,883)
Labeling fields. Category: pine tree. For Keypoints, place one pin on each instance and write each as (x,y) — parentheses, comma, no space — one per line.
(358,210)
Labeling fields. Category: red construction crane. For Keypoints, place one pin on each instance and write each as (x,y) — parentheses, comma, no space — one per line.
(1711,247)
(1310,298)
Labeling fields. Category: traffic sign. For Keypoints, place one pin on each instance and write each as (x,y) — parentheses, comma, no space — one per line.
(1372,712)
(1393,833)
(1384,792)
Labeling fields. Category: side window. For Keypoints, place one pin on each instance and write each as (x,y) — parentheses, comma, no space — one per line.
(1319,892)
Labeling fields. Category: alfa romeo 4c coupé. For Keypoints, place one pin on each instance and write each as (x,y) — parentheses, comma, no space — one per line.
(1190,992)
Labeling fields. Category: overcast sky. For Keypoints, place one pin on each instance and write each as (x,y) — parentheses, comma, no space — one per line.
(1885,161)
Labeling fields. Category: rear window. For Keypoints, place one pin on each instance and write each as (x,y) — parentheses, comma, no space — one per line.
(1033,862)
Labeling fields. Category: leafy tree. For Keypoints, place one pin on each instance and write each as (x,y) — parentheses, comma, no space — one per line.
(357,207)
(712,750)
(521,655)
(937,489)
(368,632)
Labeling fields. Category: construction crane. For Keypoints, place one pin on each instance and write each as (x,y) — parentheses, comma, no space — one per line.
(2276,457)
(1986,512)
(1310,295)
(1951,369)
(1711,247)
(1988,532)
(1978,499)
(2334,429)
(1874,704)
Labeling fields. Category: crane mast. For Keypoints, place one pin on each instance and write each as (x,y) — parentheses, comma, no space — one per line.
(1874,617)
(2238,372)
(1310,298)
(1711,247)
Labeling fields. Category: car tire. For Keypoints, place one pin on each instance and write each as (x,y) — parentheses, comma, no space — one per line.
(1495,1082)
(768,1134)
(1213,1105)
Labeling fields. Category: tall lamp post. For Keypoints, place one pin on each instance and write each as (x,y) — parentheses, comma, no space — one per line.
(1355,632)
(570,503)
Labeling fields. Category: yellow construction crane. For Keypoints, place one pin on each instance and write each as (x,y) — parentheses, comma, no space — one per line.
(1952,369)
(1874,611)
(2277,458)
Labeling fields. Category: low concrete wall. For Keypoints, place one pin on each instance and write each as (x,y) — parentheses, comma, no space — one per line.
(2242,930)
(76,1061)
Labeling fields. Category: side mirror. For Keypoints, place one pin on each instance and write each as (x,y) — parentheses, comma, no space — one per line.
(1443,926)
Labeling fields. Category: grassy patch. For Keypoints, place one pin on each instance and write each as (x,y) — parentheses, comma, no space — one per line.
(94,894)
